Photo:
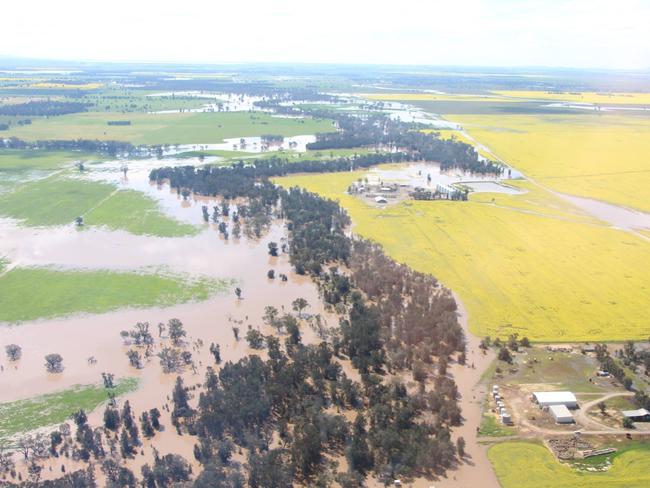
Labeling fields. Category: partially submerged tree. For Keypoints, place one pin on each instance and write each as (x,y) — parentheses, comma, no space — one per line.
(54,363)
(14,352)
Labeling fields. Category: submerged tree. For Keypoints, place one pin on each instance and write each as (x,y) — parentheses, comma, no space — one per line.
(54,363)
(14,352)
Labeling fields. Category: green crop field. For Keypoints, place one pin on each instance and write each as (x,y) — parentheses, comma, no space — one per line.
(527,465)
(38,292)
(58,200)
(16,160)
(176,128)
(54,408)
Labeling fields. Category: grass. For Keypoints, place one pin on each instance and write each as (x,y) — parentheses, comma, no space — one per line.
(32,293)
(491,427)
(58,200)
(524,464)
(18,159)
(600,156)
(548,276)
(138,214)
(23,416)
(557,370)
(176,128)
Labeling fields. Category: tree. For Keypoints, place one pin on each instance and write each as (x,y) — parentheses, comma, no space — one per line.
(180,397)
(14,352)
(54,363)
(628,423)
(111,418)
(154,415)
(215,350)
(298,305)
(270,274)
(270,315)
(255,339)
(169,360)
(358,453)
(109,380)
(135,359)
(504,355)
(176,331)
(146,426)
(273,249)
(460,446)
(238,293)
(235,332)
(602,407)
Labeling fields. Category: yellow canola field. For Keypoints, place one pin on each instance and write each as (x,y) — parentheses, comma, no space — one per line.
(605,157)
(581,97)
(524,263)
(528,465)
(68,86)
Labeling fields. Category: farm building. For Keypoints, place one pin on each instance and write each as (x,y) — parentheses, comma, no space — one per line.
(561,414)
(380,200)
(548,398)
(639,415)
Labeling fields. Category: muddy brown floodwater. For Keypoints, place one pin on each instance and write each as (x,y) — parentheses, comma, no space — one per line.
(78,337)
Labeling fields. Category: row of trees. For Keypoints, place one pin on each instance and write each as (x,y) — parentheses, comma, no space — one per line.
(43,107)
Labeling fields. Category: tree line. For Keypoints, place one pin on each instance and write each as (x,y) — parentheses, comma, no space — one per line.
(47,108)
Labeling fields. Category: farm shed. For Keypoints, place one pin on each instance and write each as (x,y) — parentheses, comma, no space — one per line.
(380,200)
(548,398)
(639,415)
(561,414)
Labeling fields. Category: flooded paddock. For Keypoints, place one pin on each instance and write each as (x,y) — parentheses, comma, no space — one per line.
(615,215)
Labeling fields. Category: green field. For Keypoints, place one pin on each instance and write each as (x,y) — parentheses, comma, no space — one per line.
(527,465)
(491,427)
(58,200)
(39,292)
(23,416)
(176,128)
(17,160)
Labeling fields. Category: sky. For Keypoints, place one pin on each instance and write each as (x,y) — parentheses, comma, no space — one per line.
(611,34)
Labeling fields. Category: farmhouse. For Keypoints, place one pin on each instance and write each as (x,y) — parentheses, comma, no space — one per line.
(639,415)
(549,398)
(561,414)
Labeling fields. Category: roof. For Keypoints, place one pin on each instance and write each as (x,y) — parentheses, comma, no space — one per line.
(640,412)
(560,411)
(555,397)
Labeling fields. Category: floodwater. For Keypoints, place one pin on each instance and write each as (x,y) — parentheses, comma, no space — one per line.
(253,144)
(82,336)
(418,174)
(615,215)
(223,102)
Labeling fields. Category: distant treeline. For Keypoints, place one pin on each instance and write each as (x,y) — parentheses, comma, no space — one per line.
(119,122)
(110,148)
(43,107)
(381,131)
(240,179)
